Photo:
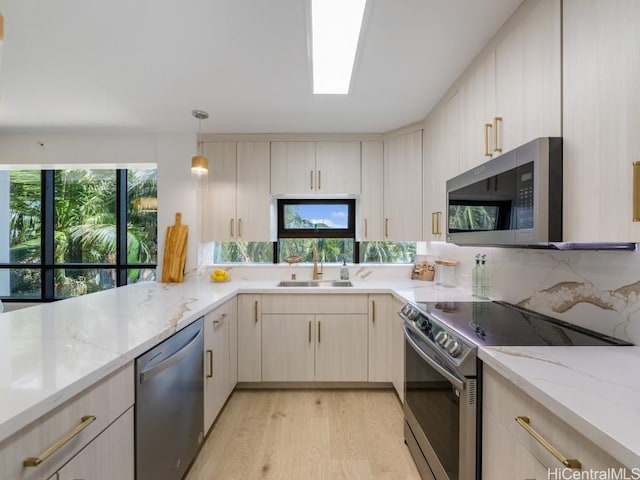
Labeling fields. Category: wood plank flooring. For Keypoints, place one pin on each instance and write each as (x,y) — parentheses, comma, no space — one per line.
(307,435)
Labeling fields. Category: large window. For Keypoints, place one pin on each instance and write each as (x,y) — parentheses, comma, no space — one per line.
(71,232)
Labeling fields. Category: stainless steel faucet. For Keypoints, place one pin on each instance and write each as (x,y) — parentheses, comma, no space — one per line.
(317,272)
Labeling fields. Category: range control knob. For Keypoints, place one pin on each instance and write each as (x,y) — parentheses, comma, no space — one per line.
(441,338)
(454,348)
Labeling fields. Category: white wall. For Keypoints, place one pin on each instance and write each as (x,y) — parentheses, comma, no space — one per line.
(171,153)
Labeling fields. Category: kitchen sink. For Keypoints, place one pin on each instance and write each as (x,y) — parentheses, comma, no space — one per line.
(315,283)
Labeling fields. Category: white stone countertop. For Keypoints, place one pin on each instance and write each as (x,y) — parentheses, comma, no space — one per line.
(51,352)
(593,389)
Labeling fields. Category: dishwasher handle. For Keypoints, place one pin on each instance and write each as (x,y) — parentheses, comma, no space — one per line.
(149,373)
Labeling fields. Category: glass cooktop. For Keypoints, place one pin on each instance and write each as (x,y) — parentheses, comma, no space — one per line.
(502,324)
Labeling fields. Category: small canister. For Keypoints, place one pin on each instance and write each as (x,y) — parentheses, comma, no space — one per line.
(438,273)
(448,275)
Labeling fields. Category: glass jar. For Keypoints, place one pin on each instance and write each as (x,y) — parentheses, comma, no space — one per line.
(438,272)
(448,273)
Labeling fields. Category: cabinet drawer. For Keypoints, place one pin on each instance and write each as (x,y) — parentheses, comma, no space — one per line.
(506,402)
(314,303)
(106,401)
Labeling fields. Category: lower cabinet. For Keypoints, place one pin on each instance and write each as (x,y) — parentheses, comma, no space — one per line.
(397,349)
(322,348)
(107,457)
(322,338)
(510,451)
(219,360)
(249,338)
(100,422)
(381,320)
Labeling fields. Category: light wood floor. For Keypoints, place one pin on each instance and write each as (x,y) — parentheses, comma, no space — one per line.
(307,435)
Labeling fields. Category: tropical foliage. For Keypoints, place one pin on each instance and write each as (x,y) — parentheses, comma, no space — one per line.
(84,231)
(472,218)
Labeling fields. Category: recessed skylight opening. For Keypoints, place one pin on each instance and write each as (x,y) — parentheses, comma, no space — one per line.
(335,29)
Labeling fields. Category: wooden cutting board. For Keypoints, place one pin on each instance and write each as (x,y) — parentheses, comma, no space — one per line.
(175,252)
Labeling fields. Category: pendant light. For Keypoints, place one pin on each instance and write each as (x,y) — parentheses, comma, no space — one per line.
(200,163)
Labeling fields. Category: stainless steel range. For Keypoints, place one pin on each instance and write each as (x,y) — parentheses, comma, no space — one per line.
(443,375)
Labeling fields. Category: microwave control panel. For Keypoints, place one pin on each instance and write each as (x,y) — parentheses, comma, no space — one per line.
(524,211)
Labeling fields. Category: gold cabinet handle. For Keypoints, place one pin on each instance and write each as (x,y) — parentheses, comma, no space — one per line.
(318,331)
(210,355)
(487,126)
(239,228)
(319,179)
(85,421)
(496,147)
(373,311)
(636,191)
(221,319)
(255,310)
(311,180)
(231,227)
(309,331)
(435,223)
(366,234)
(386,227)
(567,462)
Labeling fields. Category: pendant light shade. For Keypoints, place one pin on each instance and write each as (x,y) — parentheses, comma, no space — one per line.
(199,163)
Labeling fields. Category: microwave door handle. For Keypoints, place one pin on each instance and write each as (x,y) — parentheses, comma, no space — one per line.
(459,384)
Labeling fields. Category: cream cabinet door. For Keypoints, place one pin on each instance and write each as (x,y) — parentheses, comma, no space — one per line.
(293,168)
(601,119)
(232,310)
(288,343)
(442,139)
(107,457)
(216,385)
(528,76)
(403,188)
(477,111)
(338,167)
(219,209)
(380,333)
(249,338)
(253,199)
(397,349)
(341,348)
(371,201)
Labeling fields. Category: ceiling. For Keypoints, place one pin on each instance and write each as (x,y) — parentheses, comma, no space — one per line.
(142,65)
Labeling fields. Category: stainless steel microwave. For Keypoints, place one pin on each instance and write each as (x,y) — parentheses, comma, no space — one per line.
(512,200)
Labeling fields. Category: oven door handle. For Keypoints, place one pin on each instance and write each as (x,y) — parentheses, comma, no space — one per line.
(459,384)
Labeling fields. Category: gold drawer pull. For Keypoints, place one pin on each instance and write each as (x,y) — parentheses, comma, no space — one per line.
(496,148)
(487,126)
(386,227)
(239,228)
(366,231)
(373,311)
(636,191)
(210,355)
(309,331)
(567,462)
(231,230)
(435,223)
(311,180)
(221,319)
(255,310)
(35,461)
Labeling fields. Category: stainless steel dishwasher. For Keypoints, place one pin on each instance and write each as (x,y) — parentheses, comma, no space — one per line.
(169,405)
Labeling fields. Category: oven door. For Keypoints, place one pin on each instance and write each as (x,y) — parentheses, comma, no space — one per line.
(440,411)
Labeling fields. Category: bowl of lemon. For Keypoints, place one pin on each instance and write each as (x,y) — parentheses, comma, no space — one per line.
(219,276)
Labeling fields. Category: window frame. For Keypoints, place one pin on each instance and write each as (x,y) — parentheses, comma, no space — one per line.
(48,265)
(349,232)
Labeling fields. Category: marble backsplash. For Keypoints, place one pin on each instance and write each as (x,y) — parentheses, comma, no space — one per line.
(599,290)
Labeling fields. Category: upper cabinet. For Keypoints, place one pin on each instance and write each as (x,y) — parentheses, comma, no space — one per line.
(512,92)
(601,118)
(441,145)
(528,77)
(402,219)
(371,201)
(303,168)
(237,203)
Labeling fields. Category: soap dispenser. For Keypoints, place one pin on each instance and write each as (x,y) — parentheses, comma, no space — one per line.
(483,283)
(344,271)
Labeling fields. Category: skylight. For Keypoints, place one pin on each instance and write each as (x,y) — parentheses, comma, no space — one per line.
(335,27)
